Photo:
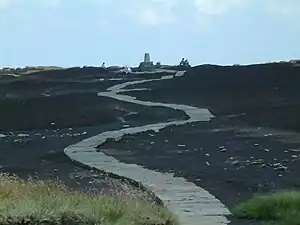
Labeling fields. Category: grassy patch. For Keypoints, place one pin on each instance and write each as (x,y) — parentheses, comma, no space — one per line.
(277,208)
(42,202)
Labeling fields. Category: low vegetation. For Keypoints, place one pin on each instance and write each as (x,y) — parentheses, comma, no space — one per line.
(44,202)
(282,208)
(27,70)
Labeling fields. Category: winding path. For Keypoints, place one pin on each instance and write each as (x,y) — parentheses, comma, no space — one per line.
(192,204)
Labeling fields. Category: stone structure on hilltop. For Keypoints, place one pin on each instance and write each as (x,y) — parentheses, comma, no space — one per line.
(147,58)
(147,64)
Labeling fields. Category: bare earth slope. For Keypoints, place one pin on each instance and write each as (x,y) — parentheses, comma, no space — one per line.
(43,112)
(266,94)
(251,146)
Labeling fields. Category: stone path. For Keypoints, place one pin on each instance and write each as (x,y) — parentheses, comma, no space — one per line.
(192,204)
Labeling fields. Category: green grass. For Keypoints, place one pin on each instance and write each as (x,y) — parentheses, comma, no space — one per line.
(42,202)
(278,208)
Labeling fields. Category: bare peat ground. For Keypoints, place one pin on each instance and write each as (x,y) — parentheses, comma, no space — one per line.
(252,146)
(230,162)
(54,99)
(245,150)
(39,154)
(43,113)
(259,95)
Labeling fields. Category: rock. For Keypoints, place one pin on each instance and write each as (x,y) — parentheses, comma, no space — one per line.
(22,135)
(18,141)
(222,149)
(267,150)
(258,161)
(207,154)
(294,150)
(207,163)
(279,167)
(235,162)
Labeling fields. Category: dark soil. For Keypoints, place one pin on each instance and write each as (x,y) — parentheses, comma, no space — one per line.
(44,112)
(234,156)
(265,95)
(39,155)
(237,154)
(216,156)
(76,110)
(51,99)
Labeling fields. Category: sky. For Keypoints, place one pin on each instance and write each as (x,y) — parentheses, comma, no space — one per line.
(119,32)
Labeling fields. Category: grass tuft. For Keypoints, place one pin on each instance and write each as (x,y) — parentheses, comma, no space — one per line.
(277,208)
(42,202)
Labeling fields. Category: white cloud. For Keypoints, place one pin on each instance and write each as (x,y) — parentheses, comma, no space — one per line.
(51,3)
(4,4)
(150,17)
(160,12)
(22,3)
(165,12)
(286,8)
(218,7)
(101,2)
(150,12)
